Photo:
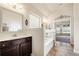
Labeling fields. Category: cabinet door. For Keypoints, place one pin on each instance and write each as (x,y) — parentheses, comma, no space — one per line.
(10,51)
(25,49)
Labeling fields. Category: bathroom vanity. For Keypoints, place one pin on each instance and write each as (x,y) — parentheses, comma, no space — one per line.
(16,47)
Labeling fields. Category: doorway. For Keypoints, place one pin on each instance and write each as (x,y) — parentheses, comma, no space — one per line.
(63,31)
(62,44)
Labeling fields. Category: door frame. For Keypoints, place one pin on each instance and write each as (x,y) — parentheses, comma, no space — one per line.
(60,20)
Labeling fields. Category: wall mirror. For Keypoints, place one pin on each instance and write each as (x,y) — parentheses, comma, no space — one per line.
(10,21)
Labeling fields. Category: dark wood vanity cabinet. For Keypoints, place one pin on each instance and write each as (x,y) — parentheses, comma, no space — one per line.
(10,51)
(17,47)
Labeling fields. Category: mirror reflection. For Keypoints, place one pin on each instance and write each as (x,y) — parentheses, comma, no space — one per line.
(10,21)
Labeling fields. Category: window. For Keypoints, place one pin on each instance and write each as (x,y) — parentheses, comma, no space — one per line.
(63,27)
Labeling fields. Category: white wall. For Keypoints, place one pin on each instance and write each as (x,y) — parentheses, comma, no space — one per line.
(37,42)
(76,27)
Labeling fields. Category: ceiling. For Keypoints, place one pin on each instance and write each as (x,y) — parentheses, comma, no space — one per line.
(51,10)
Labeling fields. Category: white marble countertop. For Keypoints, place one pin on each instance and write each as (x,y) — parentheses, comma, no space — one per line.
(11,38)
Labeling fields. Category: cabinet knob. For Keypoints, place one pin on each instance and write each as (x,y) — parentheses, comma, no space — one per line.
(3,45)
